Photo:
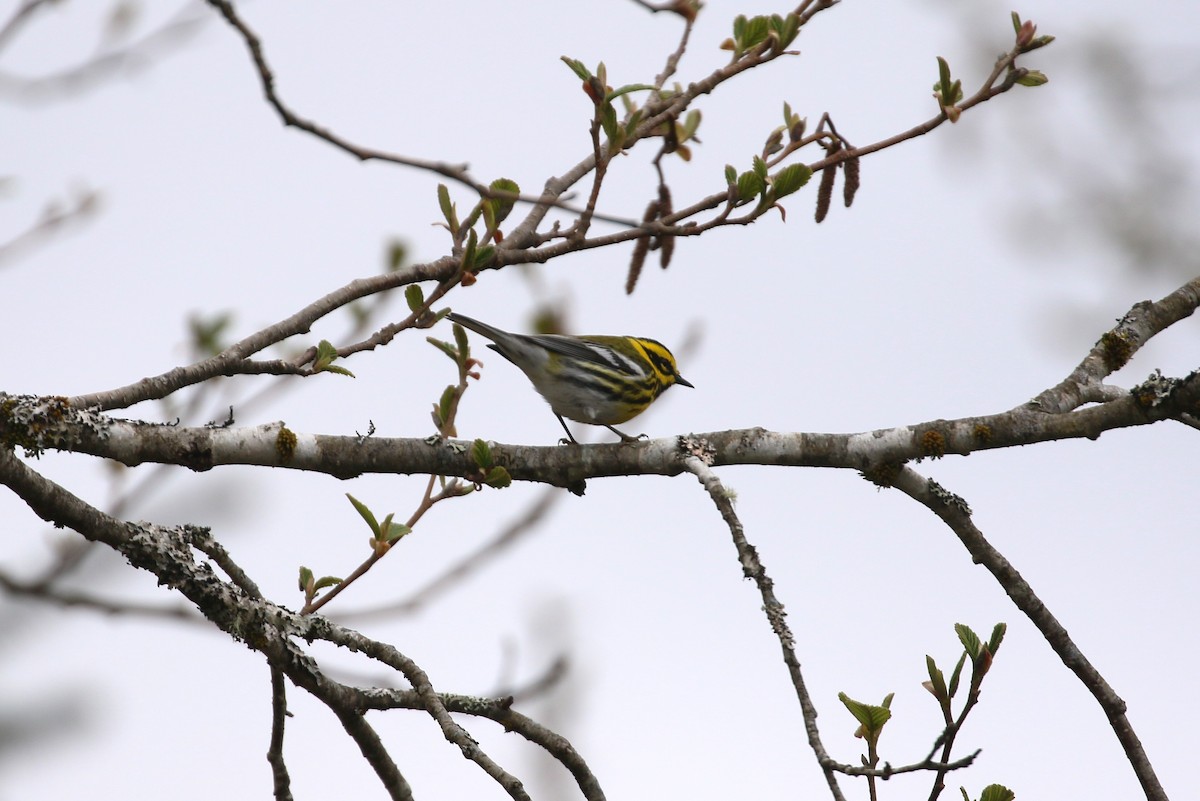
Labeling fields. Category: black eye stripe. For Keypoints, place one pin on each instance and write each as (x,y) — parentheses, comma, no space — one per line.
(662,364)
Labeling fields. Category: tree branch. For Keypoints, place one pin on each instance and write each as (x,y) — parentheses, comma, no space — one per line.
(955,514)
(698,464)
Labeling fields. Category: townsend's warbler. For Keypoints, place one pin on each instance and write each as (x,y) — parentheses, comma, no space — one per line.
(594,379)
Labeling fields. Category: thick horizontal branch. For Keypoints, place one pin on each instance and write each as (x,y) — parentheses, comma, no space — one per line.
(274,445)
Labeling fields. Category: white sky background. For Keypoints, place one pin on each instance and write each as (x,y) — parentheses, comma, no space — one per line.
(934,297)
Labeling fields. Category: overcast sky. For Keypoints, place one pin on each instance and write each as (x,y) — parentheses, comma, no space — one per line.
(977,266)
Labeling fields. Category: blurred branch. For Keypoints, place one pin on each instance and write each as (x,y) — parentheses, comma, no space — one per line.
(955,513)
(19,17)
(55,219)
(105,65)
(40,591)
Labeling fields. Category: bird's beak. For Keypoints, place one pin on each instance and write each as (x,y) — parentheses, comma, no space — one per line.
(681,380)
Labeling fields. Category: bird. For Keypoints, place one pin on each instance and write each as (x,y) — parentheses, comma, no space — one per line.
(599,380)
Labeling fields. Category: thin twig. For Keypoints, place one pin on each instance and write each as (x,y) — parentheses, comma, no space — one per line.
(458,573)
(279,714)
(752,568)
(958,518)
(432,702)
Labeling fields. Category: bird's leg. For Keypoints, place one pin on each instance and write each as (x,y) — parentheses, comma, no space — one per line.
(570,440)
(626,437)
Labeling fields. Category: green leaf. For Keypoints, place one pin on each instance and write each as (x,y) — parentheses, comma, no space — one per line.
(969,640)
(691,123)
(789,179)
(760,168)
(326,354)
(448,210)
(612,129)
(1039,42)
(624,90)
(365,513)
(444,347)
(481,454)
(392,531)
(577,67)
(502,206)
(954,677)
(749,186)
(1032,78)
(755,32)
(397,254)
(997,792)
(468,260)
(483,257)
(460,339)
(997,637)
(937,680)
(1016,20)
(731,175)
(944,79)
(489,214)
(414,296)
(497,478)
(446,403)
(871,718)
(326,581)
(631,124)
(306,576)
(786,28)
(206,332)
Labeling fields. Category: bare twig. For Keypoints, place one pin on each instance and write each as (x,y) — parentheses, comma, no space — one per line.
(431,700)
(453,489)
(279,714)
(1116,347)
(752,568)
(456,172)
(456,574)
(234,359)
